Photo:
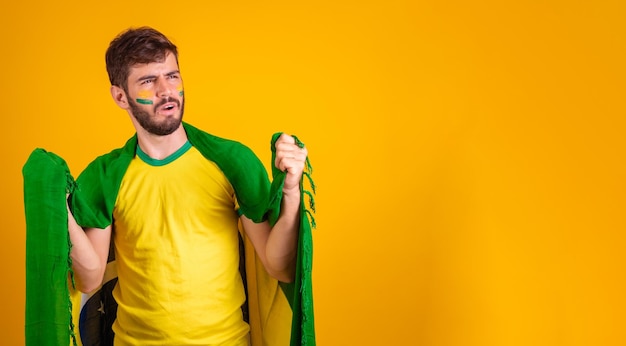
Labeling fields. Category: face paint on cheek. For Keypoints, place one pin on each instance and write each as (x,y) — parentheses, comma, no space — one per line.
(144,97)
(180,90)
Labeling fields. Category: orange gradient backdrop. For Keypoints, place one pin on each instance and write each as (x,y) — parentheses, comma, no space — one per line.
(469,155)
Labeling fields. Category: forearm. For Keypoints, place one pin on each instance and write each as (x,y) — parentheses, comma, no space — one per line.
(278,246)
(282,243)
(86,263)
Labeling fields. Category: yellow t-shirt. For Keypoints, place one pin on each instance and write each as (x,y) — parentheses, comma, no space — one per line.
(176,242)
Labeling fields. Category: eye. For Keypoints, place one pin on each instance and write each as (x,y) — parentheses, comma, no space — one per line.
(147,81)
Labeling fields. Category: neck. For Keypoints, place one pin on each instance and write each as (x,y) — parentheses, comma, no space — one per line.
(160,147)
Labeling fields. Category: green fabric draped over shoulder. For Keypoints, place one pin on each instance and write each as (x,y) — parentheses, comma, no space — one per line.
(100,182)
(93,196)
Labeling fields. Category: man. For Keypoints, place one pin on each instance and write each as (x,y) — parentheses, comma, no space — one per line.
(170,201)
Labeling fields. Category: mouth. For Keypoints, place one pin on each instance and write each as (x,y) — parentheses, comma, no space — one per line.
(167,106)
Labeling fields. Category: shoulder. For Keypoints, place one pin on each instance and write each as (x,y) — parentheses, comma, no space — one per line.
(93,199)
(217,148)
(241,167)
(106,164)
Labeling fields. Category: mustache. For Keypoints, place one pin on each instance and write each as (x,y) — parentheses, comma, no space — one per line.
(164,101)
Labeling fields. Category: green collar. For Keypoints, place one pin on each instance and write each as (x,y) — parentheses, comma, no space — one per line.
(162,162)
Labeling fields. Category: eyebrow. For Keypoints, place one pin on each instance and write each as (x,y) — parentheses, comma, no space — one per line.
(154,76)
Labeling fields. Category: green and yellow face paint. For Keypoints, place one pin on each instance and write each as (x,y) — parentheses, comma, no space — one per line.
(144,97)
(180,90)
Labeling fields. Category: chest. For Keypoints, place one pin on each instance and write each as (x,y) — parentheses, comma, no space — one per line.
(190,194)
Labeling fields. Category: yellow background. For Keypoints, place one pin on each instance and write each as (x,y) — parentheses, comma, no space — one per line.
(469,155)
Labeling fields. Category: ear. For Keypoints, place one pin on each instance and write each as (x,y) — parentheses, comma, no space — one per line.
(119,96)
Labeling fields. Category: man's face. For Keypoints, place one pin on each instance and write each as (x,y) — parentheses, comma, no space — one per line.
(155,96)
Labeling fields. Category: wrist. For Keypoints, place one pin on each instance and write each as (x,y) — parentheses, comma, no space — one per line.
(293,191)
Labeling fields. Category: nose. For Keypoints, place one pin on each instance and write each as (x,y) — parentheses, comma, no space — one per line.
(162,88)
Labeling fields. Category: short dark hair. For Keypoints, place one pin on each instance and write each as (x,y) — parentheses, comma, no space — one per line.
(135,46)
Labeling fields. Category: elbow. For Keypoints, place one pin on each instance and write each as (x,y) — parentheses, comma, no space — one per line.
(88,288)
(88,281)
(286,275)
(283,277)
(282,268)
(287,279)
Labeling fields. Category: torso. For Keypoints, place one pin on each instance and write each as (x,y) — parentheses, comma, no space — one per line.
(176,240)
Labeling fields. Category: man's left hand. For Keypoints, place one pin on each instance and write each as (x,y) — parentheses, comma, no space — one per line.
(290,158)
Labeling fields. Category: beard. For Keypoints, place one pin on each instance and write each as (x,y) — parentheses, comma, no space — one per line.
(148,123)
